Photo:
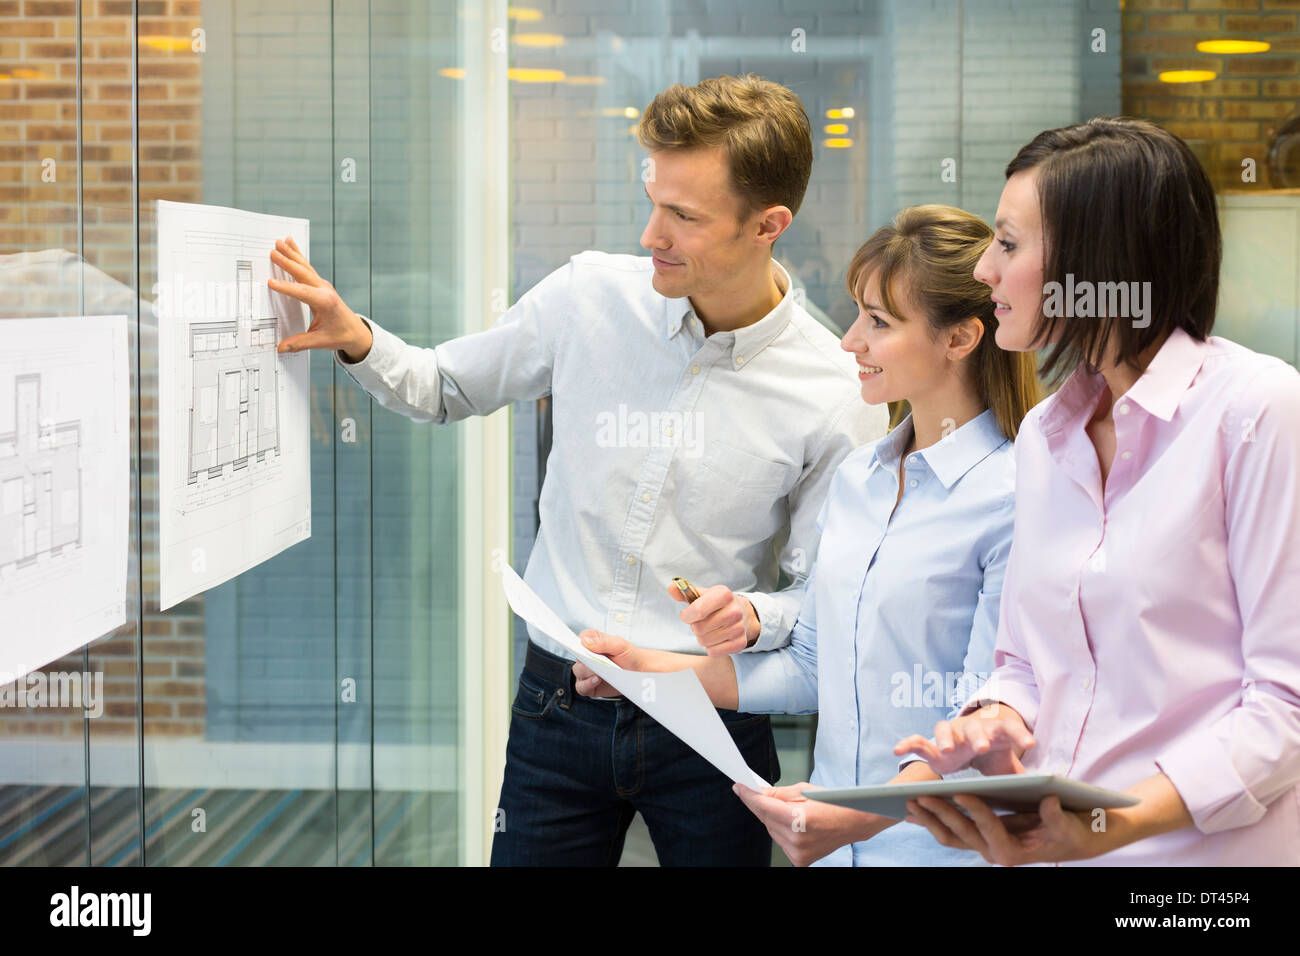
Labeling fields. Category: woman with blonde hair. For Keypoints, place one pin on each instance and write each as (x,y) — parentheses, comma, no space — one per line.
(900,612)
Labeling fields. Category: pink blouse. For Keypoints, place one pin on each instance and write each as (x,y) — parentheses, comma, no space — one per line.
(1155,627)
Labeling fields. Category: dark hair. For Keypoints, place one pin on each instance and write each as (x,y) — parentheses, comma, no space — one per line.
(1123,200)
(929,254)
(761,125)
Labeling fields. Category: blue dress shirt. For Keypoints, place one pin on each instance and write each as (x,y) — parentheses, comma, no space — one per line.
(899,616)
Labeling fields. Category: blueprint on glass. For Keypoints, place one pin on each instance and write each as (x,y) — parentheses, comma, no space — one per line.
(234,451)
(65,473)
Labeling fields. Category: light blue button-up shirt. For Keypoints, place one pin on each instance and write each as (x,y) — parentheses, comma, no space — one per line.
(899,616)
(675,453)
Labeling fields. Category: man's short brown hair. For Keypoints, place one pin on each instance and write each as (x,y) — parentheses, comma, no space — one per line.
(761,125)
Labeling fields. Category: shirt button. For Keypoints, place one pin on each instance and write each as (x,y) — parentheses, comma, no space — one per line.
(669,431)
(619,618)
(631,560)
(911,460)
(1126,455)
(1086,682)
(740,360)
(1123,408)
(913,482)
(645,496)
(695,370)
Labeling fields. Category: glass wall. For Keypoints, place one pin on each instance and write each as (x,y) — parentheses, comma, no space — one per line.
(309,711)
(345,702)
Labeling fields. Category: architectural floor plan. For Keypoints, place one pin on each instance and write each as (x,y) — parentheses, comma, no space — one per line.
(40,481)
(233,414)
(233,411)
(64,486)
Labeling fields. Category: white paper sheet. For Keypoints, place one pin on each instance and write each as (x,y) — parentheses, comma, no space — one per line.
(677,700)
(234,425)
(65,472)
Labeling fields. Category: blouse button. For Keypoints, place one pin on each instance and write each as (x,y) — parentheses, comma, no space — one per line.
(1123,409)
(913,482)
(1126,455)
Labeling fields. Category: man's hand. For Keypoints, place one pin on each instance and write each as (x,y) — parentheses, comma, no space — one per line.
(808,830)
(618,649)
(992,740)
(333,324)
(723,622)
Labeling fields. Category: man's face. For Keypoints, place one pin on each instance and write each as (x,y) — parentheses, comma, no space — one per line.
(695,234)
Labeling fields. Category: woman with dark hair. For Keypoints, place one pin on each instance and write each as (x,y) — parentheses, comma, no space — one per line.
(1149,639)
(899,614)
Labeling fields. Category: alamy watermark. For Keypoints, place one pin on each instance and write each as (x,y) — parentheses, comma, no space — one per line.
(636,429)
(1088,300)
(927,688)
(59,689)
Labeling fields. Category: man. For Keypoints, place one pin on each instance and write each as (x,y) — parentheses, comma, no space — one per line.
(699,412)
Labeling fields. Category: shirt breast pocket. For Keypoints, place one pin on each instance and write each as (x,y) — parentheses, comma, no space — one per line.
(730,492)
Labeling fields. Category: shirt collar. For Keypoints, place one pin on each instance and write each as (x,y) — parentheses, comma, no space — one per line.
(752,339)
(951,456)
(1166,380)
(1158,389)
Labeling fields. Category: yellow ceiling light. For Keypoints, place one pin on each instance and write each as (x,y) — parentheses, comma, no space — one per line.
(453,72)
(845,113)
(535,76)
(167,44)
(539,39)
(836,129)
(837,143)
(523,14)
(1232,46)
(585,80)
(1187,76)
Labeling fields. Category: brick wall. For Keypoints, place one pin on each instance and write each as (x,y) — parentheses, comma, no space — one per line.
(1233,116)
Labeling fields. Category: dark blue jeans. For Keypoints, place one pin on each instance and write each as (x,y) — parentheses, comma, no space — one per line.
(579,769)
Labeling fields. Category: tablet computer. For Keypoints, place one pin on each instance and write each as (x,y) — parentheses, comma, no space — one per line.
(1011,792)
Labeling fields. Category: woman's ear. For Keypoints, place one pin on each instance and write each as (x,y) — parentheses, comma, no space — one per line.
(964,337)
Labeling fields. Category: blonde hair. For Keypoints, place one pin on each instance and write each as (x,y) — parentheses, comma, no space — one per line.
(761,125)
(933,251)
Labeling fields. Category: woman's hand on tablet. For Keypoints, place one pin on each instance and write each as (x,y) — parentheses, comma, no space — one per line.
(991,739)
(1051,835)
